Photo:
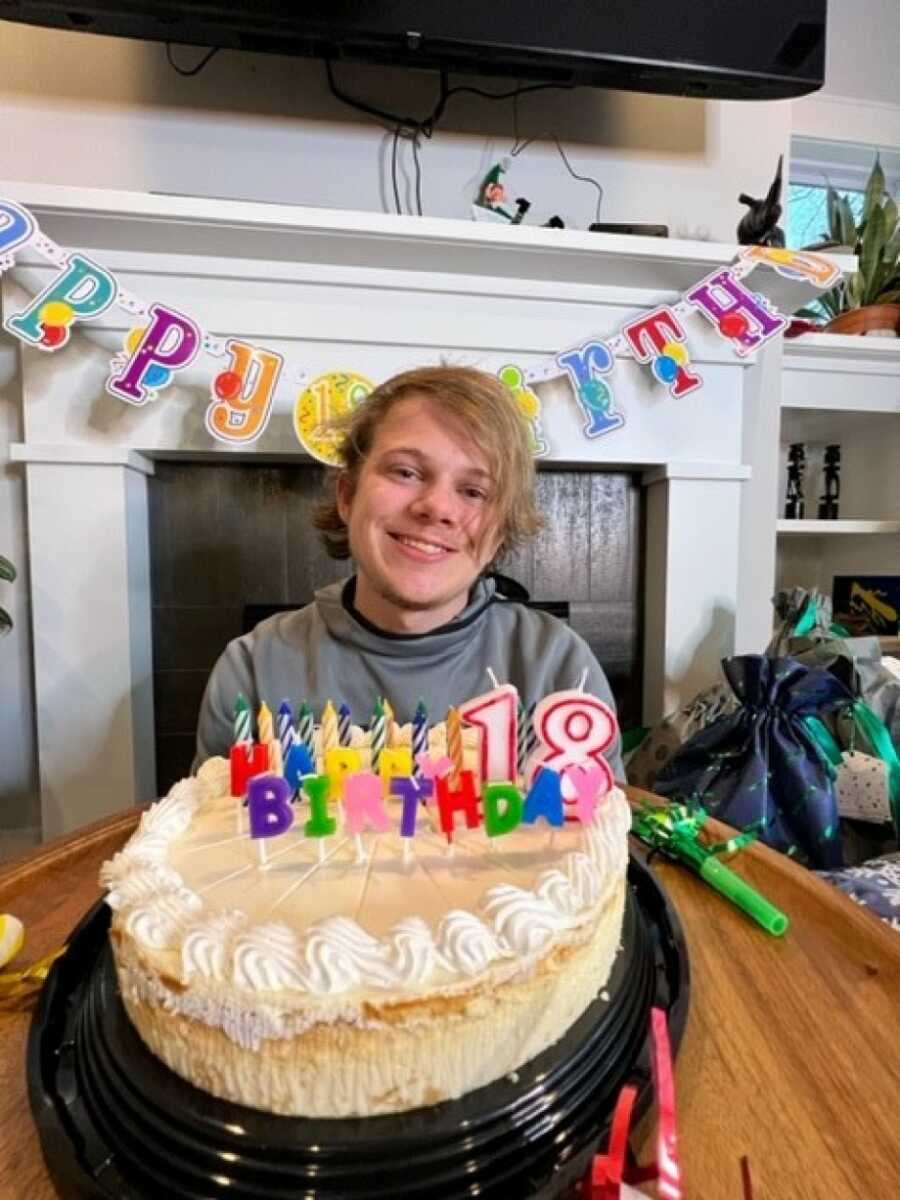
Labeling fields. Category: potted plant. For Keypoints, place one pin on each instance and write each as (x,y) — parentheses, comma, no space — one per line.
(7,572)
(869,299)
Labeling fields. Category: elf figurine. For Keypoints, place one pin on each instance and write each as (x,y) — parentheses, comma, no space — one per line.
(491,202)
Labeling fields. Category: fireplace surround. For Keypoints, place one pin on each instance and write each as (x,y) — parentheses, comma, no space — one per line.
(359,291)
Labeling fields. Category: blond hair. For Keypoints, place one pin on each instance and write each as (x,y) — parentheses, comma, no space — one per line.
(485,407)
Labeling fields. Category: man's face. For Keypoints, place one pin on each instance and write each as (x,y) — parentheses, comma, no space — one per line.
(422,521)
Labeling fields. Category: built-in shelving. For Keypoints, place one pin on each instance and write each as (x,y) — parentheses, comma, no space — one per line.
(813,526)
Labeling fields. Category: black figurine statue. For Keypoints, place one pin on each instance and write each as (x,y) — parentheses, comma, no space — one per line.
(759,226)
(794,504)
(828,502)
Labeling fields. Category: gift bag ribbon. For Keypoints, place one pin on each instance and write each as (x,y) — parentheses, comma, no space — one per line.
(19,988)
(876,733)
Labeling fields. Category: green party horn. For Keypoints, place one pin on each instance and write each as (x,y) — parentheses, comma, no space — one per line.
(674,830)
(747,898)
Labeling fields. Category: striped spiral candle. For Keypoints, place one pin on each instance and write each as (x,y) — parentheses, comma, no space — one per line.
(330,739)
(522,730)
(532,735)
(306,727)
(344,725)
(454,740)
(378,732)
(264,723)
(243,724)
(285,727)
(419,735)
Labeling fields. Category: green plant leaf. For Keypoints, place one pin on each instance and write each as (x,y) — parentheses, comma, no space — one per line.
(7,570)
(890,215)
(856,285)
(892,246)
(874,189)
(848,235)
(831,207)
(5,622)
(871,250)
(833,301)
(877,283)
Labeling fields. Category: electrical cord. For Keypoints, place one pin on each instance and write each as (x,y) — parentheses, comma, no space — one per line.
(517,149)
(191,70)
(413,128)
(519,145)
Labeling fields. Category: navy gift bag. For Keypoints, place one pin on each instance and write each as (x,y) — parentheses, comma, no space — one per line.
(762,763)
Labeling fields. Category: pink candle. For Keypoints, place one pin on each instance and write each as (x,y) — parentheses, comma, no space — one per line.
(573,728)
(496,715)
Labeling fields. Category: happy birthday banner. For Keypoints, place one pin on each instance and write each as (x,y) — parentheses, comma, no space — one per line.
(165,341)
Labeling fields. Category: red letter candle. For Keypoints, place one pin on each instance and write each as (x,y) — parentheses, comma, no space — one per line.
(463,798)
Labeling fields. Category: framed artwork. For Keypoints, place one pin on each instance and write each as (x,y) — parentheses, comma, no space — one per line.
(867,603)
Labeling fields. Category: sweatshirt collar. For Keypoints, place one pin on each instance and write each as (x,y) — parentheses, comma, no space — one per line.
(344,622)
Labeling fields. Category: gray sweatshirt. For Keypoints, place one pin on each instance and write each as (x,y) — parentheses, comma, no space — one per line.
(327,650)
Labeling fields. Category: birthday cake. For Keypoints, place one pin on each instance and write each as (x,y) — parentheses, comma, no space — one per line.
(349,931)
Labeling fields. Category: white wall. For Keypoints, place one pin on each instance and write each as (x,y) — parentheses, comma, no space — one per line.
(860,101)
(86,110)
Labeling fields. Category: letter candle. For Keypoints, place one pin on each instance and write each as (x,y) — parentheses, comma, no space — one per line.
(340,762)
(363,806)
(320,825)
(462,797)
(412,792)
(285,727)
(344,725)
(394,760)
(496,821)
(246,759)
(269,805)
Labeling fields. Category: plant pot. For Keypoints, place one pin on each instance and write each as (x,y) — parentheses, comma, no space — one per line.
(869,319)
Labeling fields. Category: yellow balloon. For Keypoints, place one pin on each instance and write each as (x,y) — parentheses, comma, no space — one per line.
(322,403)
(57,312)
(134,340)
(677,351)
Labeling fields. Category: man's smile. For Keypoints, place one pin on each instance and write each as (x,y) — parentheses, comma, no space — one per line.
(432,550)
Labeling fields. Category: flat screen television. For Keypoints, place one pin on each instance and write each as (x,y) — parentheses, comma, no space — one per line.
(727,49)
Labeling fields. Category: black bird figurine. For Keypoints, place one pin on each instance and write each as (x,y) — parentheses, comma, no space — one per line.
(759,226)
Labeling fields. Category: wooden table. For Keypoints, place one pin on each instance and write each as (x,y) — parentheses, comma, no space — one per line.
(791,1056)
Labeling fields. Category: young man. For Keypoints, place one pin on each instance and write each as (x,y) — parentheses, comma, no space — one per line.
(437,482)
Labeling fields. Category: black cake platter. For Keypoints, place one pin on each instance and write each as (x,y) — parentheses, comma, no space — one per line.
(116,1124)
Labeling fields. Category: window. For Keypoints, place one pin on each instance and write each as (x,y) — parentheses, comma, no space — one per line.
(816,163)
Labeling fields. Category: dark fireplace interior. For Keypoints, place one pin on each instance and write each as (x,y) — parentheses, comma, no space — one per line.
(227,538)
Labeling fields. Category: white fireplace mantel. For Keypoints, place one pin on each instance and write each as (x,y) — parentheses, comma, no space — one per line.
(374,294)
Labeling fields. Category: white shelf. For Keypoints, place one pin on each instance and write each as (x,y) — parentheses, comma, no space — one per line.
(829,527)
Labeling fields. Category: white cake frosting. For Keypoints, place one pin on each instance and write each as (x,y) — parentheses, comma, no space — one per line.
(375,945)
